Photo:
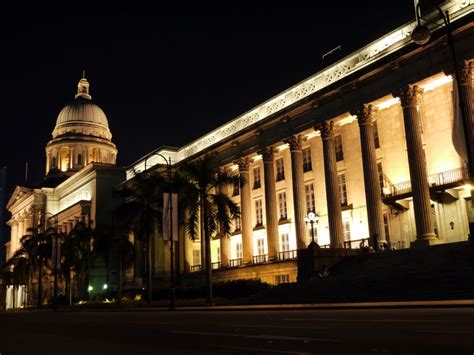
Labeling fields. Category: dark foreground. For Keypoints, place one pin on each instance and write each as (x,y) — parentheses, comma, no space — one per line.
(373,331)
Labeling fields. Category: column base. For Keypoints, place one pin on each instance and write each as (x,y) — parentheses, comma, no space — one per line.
(425,241)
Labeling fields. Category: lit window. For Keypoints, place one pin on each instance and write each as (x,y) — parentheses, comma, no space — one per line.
(280,170)
(256,178)
(309,192)
(386,226)
(282,205)
(285,242)
(338,148)
(342,189)
(258,212)
(381,176)
(346,230)
(376,135)
(237,223)
(307,166)
(260,246)
(196,257)
(238,250)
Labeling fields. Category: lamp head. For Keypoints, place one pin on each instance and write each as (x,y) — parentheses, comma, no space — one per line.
(421,34)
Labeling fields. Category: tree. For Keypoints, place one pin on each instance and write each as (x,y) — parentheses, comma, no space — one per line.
(141,212)
(208,209)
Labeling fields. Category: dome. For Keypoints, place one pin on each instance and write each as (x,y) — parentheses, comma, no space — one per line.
(82,111)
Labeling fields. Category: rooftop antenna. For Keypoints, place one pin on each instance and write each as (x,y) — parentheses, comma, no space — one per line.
(331,52)
(26,172)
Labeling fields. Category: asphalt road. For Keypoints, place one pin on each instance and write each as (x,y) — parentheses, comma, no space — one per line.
(372,331)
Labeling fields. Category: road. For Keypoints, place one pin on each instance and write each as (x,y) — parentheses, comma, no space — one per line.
(369,331)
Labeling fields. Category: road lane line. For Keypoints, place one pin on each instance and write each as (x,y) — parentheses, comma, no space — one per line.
(267,350)
(249,336)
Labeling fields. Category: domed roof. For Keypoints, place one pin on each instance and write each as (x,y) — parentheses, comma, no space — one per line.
(82,111)
(82,116)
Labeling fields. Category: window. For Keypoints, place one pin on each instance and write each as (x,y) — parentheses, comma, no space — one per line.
(309,192)
(237,223)
(381,178)
(376,135)
(258,212)
(346,230)
(285,242)
(307,166)
(342,189)
(196,257)
(236,189)
(386,226)
(338,148)
(282,205)
(79,159)
(256,178)
(53,162)
(260,246)
(280,170)
(238,250)
(282,279)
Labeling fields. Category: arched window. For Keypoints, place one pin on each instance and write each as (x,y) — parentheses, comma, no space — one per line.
(79,159)
(53,162)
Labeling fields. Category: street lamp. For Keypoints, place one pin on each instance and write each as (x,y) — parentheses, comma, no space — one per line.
(170,211)
(312,218)
(421,35)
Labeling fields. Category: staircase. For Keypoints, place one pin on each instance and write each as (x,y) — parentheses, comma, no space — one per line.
(437,272)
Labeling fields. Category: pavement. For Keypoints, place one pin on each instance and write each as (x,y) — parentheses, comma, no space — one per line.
(428,330)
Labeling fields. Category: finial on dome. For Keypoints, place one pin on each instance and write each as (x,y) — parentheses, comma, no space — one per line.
(83,88)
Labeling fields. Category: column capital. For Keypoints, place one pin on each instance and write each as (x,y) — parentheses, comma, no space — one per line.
(295,142)
(326,128)
(243,163)
(409,95)
(365,114)
(467,72)
(267,153)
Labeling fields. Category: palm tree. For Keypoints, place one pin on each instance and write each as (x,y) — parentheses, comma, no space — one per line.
(141,211)
(36,248)
(81,238)
(208,210)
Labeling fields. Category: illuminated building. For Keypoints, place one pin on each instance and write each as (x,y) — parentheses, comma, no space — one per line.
(80,176)
(365,143)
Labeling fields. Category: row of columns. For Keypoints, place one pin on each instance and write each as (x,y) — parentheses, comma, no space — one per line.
(409,98)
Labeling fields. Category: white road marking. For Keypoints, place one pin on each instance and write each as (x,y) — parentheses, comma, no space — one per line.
(267,350)
(249,336)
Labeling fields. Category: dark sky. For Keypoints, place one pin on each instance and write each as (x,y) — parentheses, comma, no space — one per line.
(164,76)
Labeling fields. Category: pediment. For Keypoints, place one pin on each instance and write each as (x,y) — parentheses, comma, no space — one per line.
(20,193)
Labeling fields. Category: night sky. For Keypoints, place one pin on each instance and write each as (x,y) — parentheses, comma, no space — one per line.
(163,76)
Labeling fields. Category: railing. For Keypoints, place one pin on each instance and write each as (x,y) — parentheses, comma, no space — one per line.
(196,268)
(235,262)
(356,243)
(288,254)
(325,246)
(258,259)
(438,179)
(216,265)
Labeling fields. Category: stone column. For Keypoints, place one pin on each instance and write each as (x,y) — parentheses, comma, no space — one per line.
(225,239)
(373,197)
(417,164)
(270,202)
(297,178)
(468,99)
(333,195)
(246,210)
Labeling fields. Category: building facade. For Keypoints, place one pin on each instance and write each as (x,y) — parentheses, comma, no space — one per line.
(79,179)
(366,144)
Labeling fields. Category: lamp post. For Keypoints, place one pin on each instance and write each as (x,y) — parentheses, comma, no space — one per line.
(312,218)
(421,35)
(170,214)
